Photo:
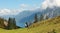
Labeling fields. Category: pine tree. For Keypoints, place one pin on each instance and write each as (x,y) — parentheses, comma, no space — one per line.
(11,23)
(41,17)
(47,17)
(14,23)
(36,19)
(1,23)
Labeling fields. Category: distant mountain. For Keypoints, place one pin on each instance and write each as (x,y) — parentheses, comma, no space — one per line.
(28,15)
(52,12)
(22,17)
(25,16)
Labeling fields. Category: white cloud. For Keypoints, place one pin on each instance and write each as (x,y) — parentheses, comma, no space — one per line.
(29,7)
(9,12)
(4,11)
(58,2)
(44,5)
(50,3)
(24,5)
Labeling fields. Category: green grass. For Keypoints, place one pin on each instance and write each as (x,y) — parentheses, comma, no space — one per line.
(39,27)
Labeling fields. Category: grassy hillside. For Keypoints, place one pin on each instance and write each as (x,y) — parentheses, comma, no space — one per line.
(46,26)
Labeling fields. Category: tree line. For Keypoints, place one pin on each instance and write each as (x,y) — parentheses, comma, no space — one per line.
(42,17)
(10,24)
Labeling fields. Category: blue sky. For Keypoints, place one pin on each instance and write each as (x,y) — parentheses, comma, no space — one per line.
(15,4)
(13,7)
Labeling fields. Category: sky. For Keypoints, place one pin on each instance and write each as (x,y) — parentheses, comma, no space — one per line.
(15,6)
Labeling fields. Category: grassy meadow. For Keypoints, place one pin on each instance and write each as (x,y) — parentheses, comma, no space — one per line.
(45,26)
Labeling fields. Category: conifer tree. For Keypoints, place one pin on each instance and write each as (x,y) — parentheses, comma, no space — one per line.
(36,19)
(47,17)
(41,17)
(11,23)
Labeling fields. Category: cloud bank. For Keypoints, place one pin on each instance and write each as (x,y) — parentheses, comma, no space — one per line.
(23,7)
(9,12)
(50,3)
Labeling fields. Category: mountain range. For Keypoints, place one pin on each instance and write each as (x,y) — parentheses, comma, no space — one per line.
(28,16)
